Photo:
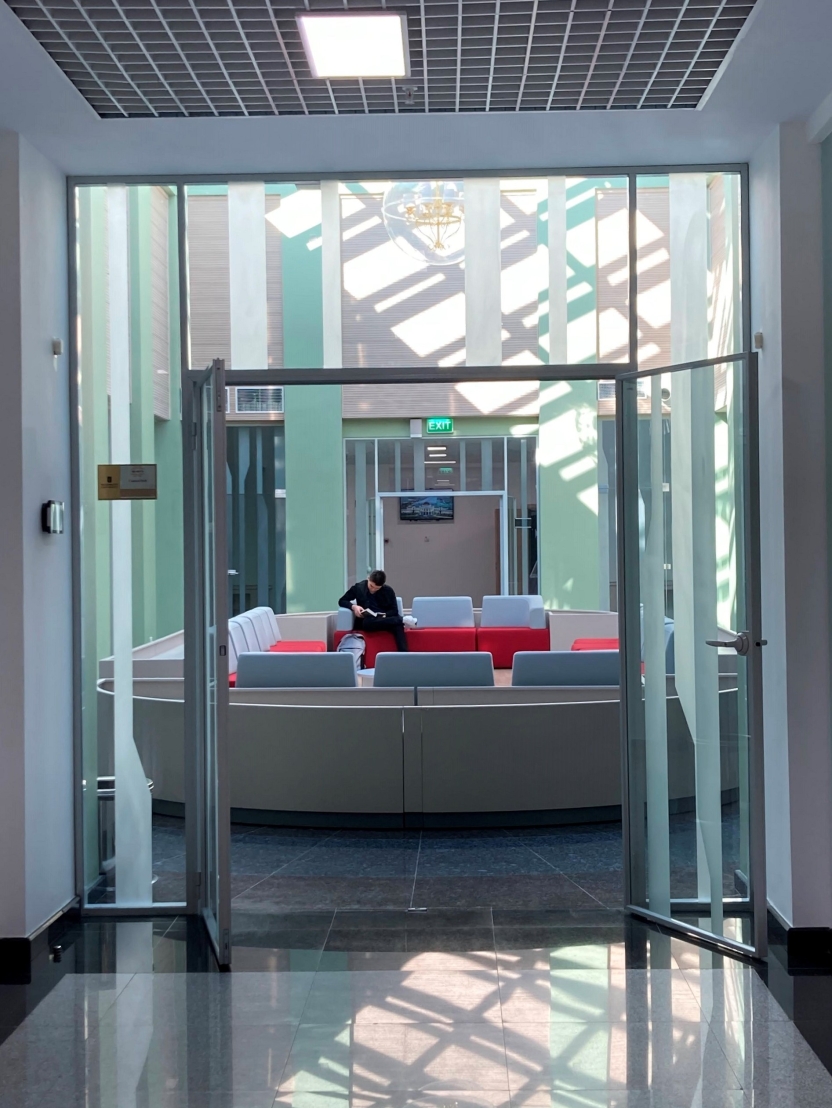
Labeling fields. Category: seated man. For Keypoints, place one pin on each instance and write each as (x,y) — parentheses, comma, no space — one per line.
(373,603)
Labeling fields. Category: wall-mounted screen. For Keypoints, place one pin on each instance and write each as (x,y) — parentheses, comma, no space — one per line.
(426,509)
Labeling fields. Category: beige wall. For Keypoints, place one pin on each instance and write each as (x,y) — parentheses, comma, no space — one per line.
(444,559)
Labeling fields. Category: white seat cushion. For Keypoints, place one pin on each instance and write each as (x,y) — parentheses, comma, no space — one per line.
(268,620)
(565,667)
(433,669)
(263,627)
(249,632)
(236,636)
(443,611)
(505,611)
(295,671)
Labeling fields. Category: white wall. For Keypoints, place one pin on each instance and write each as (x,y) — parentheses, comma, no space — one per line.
(444,559)
(786,298)
(12,718)
(36,762)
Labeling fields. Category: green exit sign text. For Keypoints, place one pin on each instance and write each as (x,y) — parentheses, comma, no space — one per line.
(440,425)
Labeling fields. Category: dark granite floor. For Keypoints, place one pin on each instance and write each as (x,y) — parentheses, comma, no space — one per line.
(566,868)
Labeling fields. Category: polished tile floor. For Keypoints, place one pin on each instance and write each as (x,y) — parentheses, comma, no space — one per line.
(438,969)
(569,867)
(466,1008)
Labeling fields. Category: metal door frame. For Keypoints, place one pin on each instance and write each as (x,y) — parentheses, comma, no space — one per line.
(218,924)
(632,799)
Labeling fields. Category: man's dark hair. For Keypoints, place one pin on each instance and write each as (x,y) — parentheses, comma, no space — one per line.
(378,576)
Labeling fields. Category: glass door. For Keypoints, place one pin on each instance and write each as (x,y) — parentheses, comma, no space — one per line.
(209,627)
(691,659)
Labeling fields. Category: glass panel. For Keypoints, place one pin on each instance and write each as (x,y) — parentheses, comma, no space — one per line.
(689,257)
(688,722)
(131,554)
(256,490)
(380,274)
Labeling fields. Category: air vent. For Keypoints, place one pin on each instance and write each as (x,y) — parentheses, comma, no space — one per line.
(259,401)
(606,389)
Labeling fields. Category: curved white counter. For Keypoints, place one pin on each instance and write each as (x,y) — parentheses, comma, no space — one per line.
(430,757)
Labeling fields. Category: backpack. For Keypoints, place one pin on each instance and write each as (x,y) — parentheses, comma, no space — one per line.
(356,645)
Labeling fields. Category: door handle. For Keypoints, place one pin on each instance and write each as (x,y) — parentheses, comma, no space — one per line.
(741,642)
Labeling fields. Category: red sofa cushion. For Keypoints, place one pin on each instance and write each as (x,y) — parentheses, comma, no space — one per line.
(377,642)
(427,639)
(503,642)
(595,644)
(298,646)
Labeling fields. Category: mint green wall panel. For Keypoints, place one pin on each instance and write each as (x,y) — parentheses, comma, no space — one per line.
(170,564)
(142,439)
(315,537)
(568,507)
(569,534)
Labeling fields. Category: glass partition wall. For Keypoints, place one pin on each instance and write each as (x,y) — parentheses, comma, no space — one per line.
(463,337)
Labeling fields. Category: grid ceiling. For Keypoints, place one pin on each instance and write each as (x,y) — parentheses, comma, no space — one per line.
(245,57)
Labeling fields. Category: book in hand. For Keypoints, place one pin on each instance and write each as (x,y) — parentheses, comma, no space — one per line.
(375,615)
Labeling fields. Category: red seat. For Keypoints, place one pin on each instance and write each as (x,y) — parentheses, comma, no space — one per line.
(232,680)
(503,642)
(377,642)
(444,639)
(595,644)
(298,646)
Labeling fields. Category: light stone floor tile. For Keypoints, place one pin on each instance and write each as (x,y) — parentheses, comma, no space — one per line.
(620,1098)
(601,956)
(735,993)
(442,1095)
(673,1059)
(76,1003)
(205,999)
(597,996)
(410,962)
(394,997)
(382,1058)
(132,1061)
(773,1056)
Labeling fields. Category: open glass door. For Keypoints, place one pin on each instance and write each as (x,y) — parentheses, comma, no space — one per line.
(208,692)
(688,500)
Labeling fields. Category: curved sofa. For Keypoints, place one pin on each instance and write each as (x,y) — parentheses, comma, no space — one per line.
(431,756)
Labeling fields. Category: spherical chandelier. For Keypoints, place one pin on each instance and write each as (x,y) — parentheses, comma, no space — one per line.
(426,220)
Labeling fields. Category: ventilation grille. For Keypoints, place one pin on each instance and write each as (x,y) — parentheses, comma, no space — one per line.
(258,401)
(201,57)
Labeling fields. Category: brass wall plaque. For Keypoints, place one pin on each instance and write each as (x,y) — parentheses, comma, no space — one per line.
(127,482)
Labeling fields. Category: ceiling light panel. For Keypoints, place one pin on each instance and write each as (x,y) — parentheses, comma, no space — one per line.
(247,57)
(355,44)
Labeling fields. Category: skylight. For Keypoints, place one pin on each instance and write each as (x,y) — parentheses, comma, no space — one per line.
(355,44)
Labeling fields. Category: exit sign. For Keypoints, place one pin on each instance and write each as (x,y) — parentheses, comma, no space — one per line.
(440,425)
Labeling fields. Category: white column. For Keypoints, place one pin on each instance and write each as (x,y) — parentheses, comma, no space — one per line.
(787,278)
(694,521)
(556,226)
(331,273)
(133,822)
(483,306)
(247,275)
